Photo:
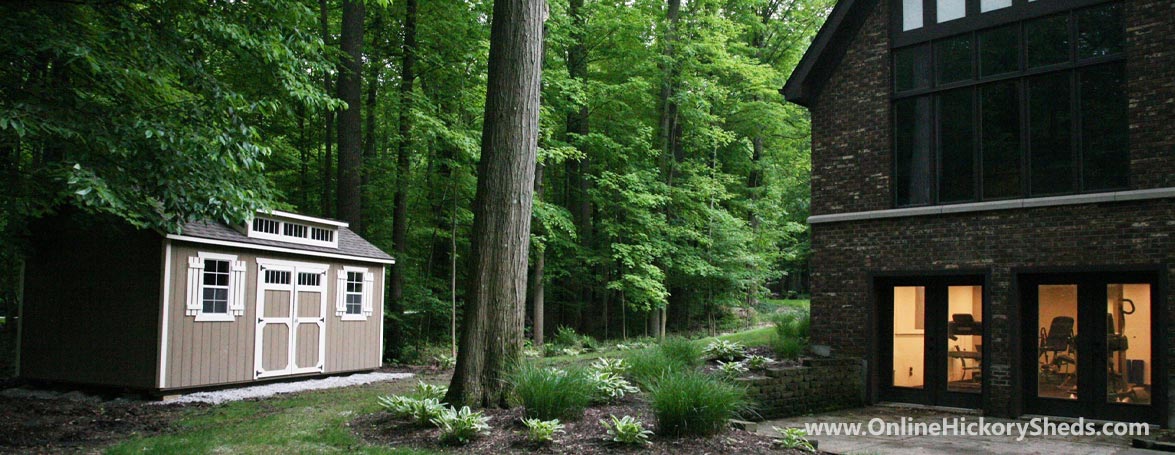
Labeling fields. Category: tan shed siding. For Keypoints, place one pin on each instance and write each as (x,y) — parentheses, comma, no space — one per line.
(355,345)
(208,353)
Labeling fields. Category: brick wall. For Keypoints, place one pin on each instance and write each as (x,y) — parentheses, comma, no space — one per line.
(818,385)
(851,166)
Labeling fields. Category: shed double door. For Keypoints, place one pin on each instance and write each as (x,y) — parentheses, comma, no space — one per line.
(291,318)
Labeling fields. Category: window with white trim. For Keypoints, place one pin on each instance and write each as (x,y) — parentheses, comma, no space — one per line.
(291,231)
(353,294)
(215,287)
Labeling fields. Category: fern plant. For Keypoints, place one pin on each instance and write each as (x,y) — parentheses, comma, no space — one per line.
(461,426)
(542,431)
(627,430)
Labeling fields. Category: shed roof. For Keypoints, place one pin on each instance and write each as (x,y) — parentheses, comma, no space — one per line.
(826,50)
(350,243)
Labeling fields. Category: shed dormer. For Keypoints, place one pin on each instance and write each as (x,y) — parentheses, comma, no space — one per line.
(294,228)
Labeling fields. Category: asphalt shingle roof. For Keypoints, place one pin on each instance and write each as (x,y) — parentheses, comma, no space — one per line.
(350,243)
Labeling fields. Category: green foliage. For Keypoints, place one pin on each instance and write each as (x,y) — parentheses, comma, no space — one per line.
(610,386)
(646,366)
(724,350)
(568,338)
(794,438)
(626,430)
(691,403)
(791,334)
(611,366)
(445,361)
(420,410)
(550,393)
(682,350)
(757,362)
(731,370)
(542,431)
(425,390)
(461,426)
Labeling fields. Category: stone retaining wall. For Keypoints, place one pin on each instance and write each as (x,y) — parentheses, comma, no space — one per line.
(817,385)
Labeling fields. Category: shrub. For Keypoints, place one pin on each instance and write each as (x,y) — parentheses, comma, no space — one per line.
(540,431)
(461,426)
(731,370)
(627,430)
(683,351)
(794,438)
(424,390)
(548,393)
(757,362)
(791,334)
(609,386)
(567,337)
(691,403)
(647,365)
(724,350)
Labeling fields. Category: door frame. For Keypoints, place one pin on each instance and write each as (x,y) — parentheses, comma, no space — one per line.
(294,267)
(1090,319)
(934,391)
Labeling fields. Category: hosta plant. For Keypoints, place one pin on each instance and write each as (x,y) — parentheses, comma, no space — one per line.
(461,426)
(425,390)
(541,431)
(627,430)
(445,361)
(614,366)
(731,370)
(757,362)
(794,438)
(724,350)
(610,386)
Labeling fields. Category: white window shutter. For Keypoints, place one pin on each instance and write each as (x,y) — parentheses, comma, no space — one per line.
(368,283)
(195,275)
(341,293)
(237,285)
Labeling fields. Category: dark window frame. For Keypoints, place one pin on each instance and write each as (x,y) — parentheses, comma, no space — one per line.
(1074,67)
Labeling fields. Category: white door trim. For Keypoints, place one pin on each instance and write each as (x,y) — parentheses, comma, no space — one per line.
(292,321)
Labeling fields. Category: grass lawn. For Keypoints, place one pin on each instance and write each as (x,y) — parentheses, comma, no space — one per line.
(307,422)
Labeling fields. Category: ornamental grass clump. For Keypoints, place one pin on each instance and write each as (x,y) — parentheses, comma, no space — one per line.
(551,393)
(692,403)
(682,350)
(647,365)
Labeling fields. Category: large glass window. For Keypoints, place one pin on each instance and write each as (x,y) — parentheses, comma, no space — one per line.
(1031,108)
(964,338)
(1128,341)
(909,336)
(1058,356)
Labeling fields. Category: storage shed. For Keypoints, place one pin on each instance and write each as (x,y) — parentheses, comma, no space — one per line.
(286,295)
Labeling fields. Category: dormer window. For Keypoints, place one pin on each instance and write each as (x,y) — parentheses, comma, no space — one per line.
(295,229)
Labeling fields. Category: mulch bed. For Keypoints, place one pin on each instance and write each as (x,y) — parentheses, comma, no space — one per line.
(37,425)
(584,436)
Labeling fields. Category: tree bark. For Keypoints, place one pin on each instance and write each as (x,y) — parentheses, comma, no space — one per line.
(403,168)
(350,119)
(537,287)
(491,336)
(328,118)
(670,132)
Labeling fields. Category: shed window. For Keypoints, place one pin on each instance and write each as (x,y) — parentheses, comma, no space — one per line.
(265,225)
(215,288)
(354,293)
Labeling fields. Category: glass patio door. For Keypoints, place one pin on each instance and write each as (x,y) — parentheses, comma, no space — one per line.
(931,340)
(1091,346)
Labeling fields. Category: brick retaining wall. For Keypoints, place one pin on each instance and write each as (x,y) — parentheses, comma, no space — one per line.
(818,385)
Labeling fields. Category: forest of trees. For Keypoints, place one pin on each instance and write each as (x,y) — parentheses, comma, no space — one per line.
(671,183)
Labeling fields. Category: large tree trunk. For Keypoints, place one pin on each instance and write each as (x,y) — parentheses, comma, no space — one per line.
(400,211)
(351,119)
(537,289)
(670,132)
(491,336)
(328,117)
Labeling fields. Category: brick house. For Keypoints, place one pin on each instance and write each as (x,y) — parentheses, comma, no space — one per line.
(993,202)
